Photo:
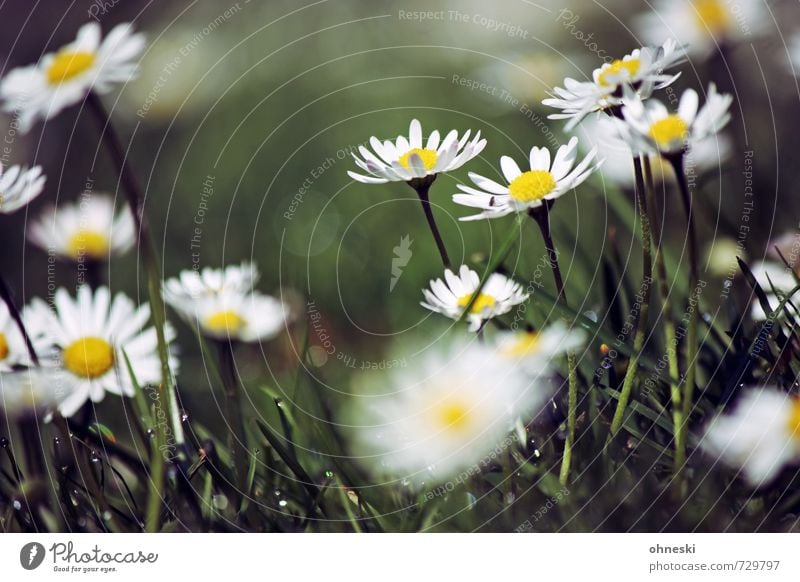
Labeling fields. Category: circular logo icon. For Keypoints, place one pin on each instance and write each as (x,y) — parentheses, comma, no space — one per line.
(31,555)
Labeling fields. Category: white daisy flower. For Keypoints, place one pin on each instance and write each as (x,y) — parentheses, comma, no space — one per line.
(33,391)
(650,127)
(536,351)
(85,230)
(530,189)
(603,135)
(407,158)
(704,25)
(760,437)
(13,351)
(223,305)
(18,186)
(191,284)
(775,279)
(449,297)
(642,70)
(66,77)
(90,332)
(452,410)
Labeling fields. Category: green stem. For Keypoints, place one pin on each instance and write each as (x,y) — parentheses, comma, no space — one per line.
(492,266)
(641,323)
(677,162)
(542,217)
(135,200)
(670,337)
(237,436)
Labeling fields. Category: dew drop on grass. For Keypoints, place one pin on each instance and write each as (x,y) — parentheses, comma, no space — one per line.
(4,442)
(106,515)
(219,501)
(283,503)
(151,433)
(184,417)
(17,505)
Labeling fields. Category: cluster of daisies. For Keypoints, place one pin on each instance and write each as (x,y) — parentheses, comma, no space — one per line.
(62,354)
(466,397)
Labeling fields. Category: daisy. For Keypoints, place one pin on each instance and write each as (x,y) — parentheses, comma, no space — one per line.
(190,284)
(603,134)
(223,305)
(760,437)
(407,159)
(89,334)
(33,391)
(66,77)
(536,350)
(530,189)
(13,351)
(776,280)
(704,25)
(18,186)
(642,70)
(651,127)
(449,297)
(453,411)
(86,230)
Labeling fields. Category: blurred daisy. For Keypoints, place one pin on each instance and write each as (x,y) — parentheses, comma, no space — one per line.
(33,391)
(407,158)
(18,186)
(89,334)
(650,127)
(191,284)
(603,134)
(545,181)
(66,77)
(703,25)
(760,437)
(451,296)
(642,70)
(536,351)
(794,55)
(13,351)
(223,305)
(776,280)
(450,411)
(86,230)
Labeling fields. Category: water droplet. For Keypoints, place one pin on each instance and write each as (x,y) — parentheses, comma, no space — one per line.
(4,442)
(184,417)
(329,474)
(56,441)
(277,493)
(471,500)
(151,433)
(510,498)
(279,403)
(283,503)
(17,505)
(106,515)
(94,458)
(405,482)
(219,501)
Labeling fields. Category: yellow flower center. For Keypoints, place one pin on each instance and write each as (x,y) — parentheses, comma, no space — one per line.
(69,64)
(225,322)
(669,130)
(89,357)
(616,69)
(3,346)
(525,345)
(794,418)
(531,186)
(452,415)
(712,15)
(88,243)
(482,302)
(427,156)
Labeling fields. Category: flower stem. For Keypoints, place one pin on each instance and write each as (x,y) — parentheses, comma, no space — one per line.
(237,437)
(422,186)
(135,200)
(542,217)
(670,337)
(677,162)
(641,322)
(8,299)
